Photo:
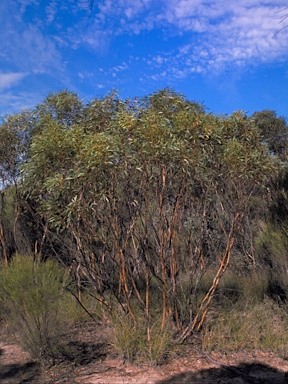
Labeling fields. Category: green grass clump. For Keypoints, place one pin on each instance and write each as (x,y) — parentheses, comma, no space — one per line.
(31,299)
(140,341)
(253,326)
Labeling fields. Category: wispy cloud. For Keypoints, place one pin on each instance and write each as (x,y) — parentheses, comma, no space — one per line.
(24,3)
(218,35)
(25,46)
(12,102)
(186,37)
(7,80)
(27,49)
(51,11)
(221,33)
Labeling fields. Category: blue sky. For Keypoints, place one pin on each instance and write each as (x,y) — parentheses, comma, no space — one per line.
(228,55)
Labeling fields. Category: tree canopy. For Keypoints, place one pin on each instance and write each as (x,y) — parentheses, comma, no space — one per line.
(142,195)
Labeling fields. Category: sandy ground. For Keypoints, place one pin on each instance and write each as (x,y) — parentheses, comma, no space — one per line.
(93,361)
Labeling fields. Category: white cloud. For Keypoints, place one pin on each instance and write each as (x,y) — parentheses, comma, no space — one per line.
(212,35)
(128,8)
(51,11)
(7,80)
(96,38)
(217,35)
(121,67)
(222,34)
(228,32)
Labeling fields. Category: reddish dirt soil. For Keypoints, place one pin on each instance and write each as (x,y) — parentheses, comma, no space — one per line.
(91,360)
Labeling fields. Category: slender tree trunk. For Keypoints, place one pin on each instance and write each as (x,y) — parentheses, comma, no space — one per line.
(198,321)
(2,240)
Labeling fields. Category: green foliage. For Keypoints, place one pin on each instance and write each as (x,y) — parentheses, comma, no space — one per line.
(149,201)
(273,130)
(144,189)
(31,301)
(15,135)
(64,108)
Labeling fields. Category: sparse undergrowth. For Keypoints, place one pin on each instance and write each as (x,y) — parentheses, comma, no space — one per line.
(36,306)
(140,342)
(248,326)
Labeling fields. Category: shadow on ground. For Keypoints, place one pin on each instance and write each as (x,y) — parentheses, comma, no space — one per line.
(80,353)
(20,373)
(71,355)
(243,373)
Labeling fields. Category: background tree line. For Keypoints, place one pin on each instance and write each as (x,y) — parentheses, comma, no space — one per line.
(144,198)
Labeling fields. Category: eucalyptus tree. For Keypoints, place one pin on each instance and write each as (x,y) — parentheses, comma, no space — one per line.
(152,192)
(63,107)
(14,144)
(274,132)
(233,168)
